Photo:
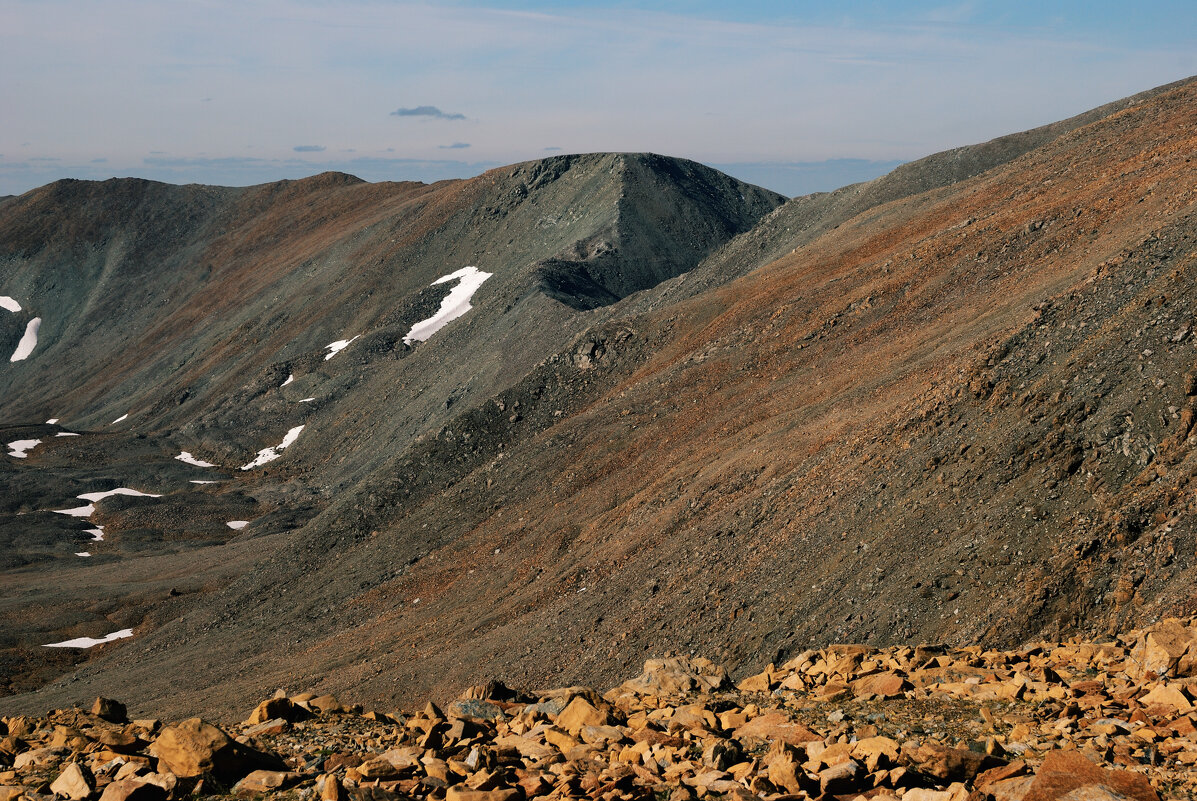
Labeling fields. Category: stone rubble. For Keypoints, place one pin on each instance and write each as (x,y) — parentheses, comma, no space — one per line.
(1073,721)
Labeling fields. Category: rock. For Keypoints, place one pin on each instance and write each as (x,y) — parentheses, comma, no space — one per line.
(579,713)
(1168,695)
(1167,649)
(109,710)
(677,676)
(74,783)
(876,752)
(11,792)
(949,764)
(775,726)
(133,790)
(273,708)
(884,685)
(505,794)
(275,726)
(475,708)
(1065,771)
(195,747)
(326,704)
(265,781)
(39,758)
(842,778)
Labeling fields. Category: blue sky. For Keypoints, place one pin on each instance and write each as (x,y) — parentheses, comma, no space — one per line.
(796,96)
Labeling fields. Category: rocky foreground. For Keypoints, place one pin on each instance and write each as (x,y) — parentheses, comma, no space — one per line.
(1078,721)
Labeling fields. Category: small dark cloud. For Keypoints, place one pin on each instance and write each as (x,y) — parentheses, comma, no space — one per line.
(99,161)
(427,111)
(390,150)
(455,146)
(45,158)
(552,148)
(205,100)
(349,150)
(308,148)
(157,152)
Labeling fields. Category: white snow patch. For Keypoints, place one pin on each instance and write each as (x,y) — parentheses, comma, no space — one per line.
(53,421)
(8,303)
(307,400)
(20,448)
(99,496)
(290,378)
(97,533)
(237,525)
(78,511)
(185,456)
(270,454)
(83,553)
(88,642)
(337,347)
(453,306)
(117,420)
(66,434)
(195,481)
(28,342)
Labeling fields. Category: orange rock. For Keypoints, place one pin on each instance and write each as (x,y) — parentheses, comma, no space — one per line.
(1065,771)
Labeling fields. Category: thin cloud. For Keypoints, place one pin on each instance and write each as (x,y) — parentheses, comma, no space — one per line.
(427,111)
(308,148)
(455,146)
(552,148)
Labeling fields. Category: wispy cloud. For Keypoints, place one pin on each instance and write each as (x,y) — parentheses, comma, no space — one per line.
(427,111)
(454,146)
(309,148)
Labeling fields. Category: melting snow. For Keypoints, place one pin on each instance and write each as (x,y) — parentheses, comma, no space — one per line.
(195,481)
(97,533)
(337,347)
(453,306)
(184,456)
(89,510)
(53,421)
(270,454)
(28,342)
(237,525)
(78,511)
(117,420)
(83,553)
(66,434)
(88,642)
(99,496)
(290,378)
(307,400)
(8,303)
(20,449)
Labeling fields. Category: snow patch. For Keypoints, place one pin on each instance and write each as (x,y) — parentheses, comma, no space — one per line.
(270,454)
(21,447)
(453,306)
(88,642)
(78,511)
(97,533)
(99,496)
(307,400)
(83,553)
(66,434)
(28,342)
(337,347)
(53,421)
(8,303)
(184,456)
(117,420)
(290,378)
(237,525)
(196,481)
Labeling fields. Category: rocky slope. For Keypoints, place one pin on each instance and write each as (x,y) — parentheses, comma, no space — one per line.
(1077,720)
(962,413)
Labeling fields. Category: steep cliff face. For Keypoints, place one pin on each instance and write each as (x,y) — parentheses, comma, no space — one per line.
(955,409)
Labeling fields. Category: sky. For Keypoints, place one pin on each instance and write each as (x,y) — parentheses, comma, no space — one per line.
(796,96)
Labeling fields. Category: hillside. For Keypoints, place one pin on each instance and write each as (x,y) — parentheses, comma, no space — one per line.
(949,407)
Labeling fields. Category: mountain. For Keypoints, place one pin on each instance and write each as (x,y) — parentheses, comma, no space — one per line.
(953,404)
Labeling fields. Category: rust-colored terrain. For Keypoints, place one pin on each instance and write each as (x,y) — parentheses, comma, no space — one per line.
(682,415)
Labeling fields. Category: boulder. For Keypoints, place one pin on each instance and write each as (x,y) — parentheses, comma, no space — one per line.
(1064,772)
(133,790)
(776,726)
(273,708)
(109,710)
(75,783)
(195,747)
(677,676)
(265,781)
